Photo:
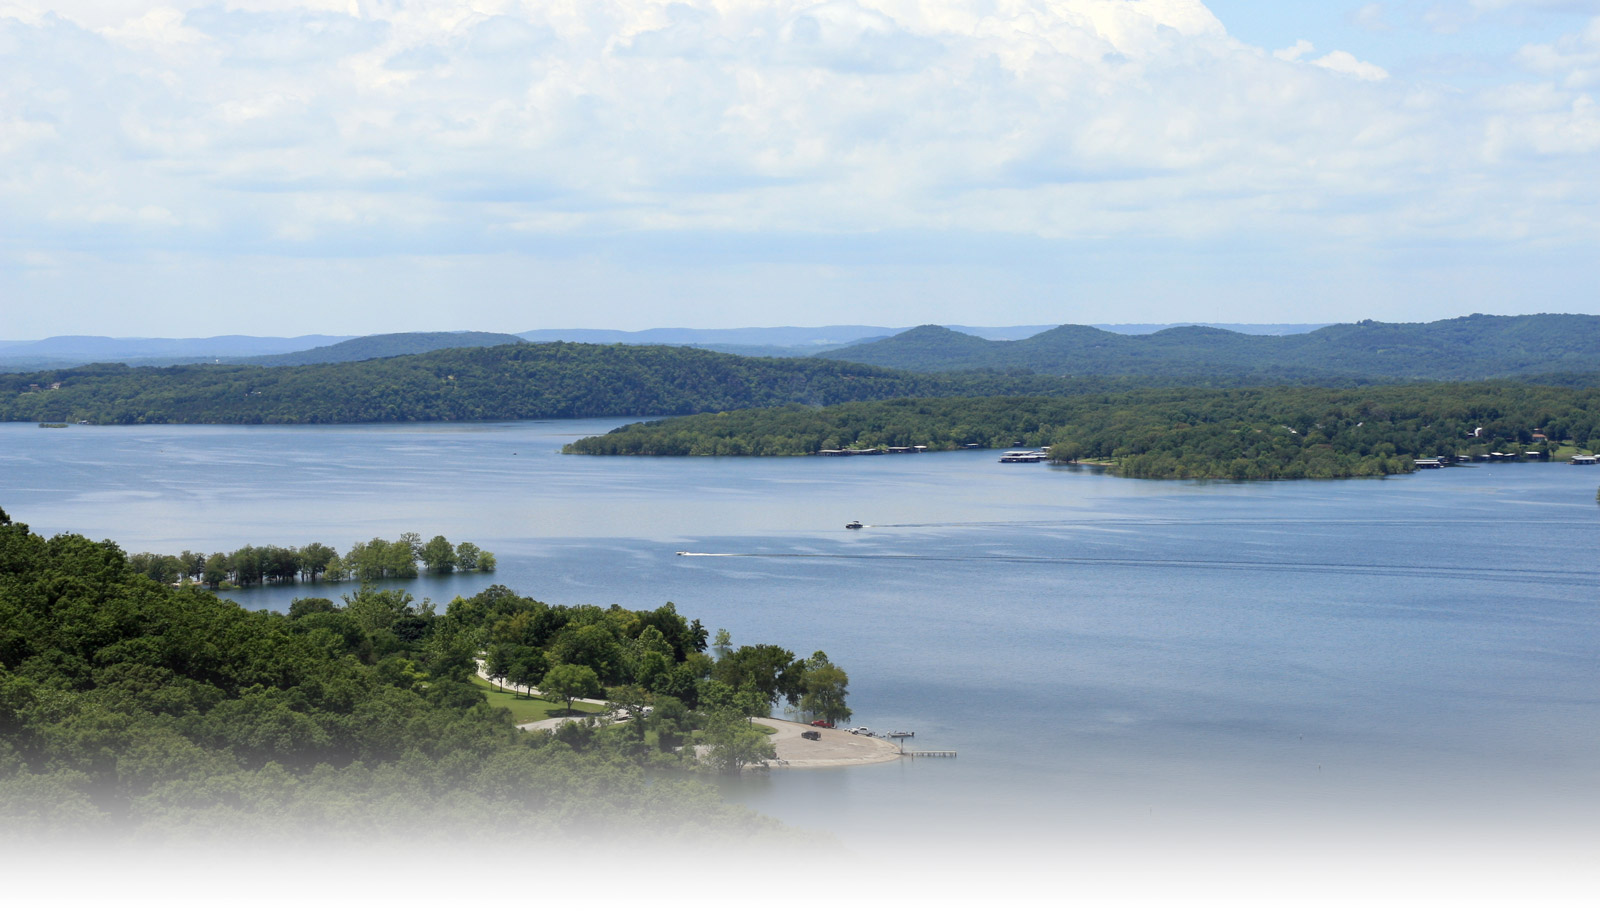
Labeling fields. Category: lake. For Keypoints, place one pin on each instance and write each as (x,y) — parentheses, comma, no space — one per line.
(1103,653)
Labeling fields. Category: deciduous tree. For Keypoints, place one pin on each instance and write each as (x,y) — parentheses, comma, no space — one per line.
(567,681)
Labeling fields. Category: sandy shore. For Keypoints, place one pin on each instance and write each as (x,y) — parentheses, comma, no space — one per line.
(836,748)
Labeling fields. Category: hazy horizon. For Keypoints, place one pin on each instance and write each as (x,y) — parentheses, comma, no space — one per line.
(322,337)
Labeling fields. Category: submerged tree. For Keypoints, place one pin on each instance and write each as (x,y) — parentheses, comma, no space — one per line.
(438,555)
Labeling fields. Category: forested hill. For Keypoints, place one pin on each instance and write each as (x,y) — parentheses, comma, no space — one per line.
(384,345)
(1465,348)
(526,381)
(128,706)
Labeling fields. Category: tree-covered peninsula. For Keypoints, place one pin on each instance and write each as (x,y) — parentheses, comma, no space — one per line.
(513,382)
(129,706)
(1245,433)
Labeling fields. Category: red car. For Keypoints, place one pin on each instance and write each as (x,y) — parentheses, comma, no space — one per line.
(819,723)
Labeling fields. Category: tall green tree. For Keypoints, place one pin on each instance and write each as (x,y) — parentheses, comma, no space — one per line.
(771,670)
(216,570)
(567,681)
(825,688)
(734,744)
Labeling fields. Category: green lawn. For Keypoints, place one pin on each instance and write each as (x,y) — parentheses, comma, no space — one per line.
(524,709)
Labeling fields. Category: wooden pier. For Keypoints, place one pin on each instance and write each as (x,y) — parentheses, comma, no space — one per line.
(948,753)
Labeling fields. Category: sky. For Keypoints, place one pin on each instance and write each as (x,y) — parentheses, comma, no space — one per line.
(365,166)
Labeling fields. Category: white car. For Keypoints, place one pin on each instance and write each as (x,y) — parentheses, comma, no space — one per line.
(866,731)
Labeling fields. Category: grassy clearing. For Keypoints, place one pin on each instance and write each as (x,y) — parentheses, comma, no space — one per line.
(524,709)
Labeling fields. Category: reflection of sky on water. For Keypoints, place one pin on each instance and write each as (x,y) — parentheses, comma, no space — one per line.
(1100,651)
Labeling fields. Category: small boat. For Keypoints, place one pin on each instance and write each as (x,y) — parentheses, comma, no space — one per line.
(1023,455)
(855,524)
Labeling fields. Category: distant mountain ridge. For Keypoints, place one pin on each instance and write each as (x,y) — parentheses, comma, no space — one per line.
(68,351)
(1464,348)
(810,341)
(384,346)
(98,349)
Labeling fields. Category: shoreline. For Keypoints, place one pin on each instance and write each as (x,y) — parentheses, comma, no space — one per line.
(836,748)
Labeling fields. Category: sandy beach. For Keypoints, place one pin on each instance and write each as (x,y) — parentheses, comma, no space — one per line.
(836,748)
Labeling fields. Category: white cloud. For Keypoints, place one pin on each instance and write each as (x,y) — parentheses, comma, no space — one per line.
(1371,17)
(1294,52)
(1343,62)
(1574,59)
(485,127)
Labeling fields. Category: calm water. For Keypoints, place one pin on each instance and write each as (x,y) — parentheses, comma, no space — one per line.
(1104,653)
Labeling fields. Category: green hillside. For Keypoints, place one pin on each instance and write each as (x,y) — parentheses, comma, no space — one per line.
(518,382)
(132,707)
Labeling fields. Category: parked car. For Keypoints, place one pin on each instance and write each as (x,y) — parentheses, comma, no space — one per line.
(819,723)
(865,731)
(811,735)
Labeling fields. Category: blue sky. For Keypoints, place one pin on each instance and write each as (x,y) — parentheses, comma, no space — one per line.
(279,168)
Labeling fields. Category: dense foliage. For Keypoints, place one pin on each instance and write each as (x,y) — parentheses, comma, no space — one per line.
(659,654)
(1281,432)
(128,704)
(1461,349)
(518,382)
(377,559)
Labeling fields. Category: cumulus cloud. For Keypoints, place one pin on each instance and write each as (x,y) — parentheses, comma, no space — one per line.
(487,126)
(1343,62)
(1573,59)
(1294,52)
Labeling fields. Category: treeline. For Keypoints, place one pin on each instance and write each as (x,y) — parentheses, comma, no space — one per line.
(1245,433)
(126,705)
(515,382)
(377,559)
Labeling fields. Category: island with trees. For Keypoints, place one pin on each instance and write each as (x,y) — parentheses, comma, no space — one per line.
(1241,433)
(130,707)
(379,559)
